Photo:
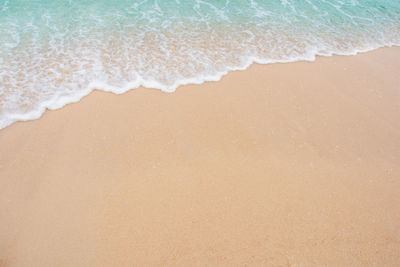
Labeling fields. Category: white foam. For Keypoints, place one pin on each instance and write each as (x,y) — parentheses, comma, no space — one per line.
(60,101)
(48,60)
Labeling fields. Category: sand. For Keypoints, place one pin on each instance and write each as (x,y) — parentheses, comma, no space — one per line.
(279,165)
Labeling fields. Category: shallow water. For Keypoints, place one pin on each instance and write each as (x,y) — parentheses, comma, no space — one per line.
(54,52)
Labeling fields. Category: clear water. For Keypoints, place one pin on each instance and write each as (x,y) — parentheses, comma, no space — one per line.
(53,52)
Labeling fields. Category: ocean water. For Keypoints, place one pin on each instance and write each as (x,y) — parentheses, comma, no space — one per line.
(54,52)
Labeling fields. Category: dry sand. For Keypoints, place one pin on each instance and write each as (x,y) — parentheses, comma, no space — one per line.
(286,164)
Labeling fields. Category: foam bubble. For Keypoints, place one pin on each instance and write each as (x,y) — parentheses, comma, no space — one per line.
(55,52)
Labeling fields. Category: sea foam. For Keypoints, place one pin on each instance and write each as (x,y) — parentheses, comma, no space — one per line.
(55,52)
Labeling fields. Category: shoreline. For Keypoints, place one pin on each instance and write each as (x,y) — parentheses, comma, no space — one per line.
(140,83)
(294,164)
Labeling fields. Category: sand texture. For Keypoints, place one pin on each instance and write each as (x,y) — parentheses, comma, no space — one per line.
(279,165)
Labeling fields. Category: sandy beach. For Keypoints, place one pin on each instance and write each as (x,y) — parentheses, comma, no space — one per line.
(292,164)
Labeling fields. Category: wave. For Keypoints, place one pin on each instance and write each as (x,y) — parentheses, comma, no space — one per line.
(55,52)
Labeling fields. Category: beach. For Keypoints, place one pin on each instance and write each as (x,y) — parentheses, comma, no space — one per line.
(293,164)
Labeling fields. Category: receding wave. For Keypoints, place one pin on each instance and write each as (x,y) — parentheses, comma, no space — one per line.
(55,52)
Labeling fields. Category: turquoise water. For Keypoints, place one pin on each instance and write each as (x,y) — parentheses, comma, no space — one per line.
(53,52)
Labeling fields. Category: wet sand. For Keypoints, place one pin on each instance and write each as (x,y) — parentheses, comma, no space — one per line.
(279,165)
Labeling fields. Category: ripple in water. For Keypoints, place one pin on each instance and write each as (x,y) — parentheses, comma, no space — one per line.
(54,52)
